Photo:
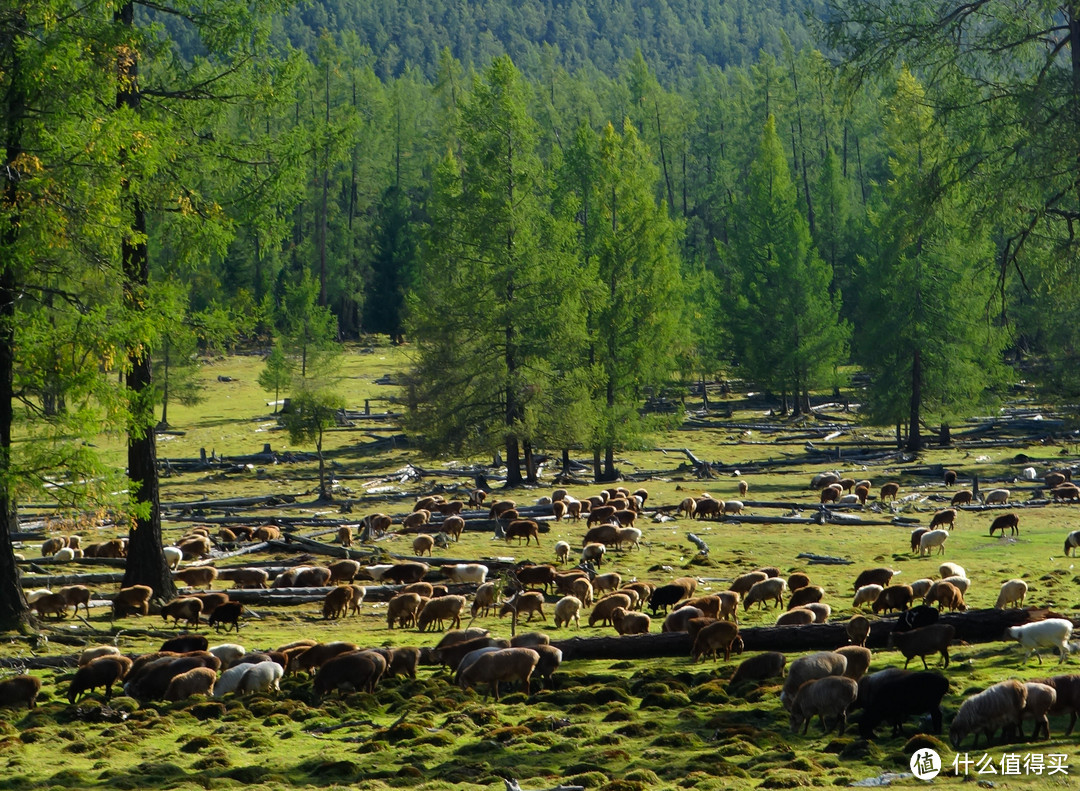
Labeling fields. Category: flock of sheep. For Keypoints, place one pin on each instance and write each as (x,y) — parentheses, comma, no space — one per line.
(827,685)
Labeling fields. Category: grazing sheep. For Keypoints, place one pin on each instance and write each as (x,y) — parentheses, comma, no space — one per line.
(915,618)
(51,603)
(858,629)
(523,528)
(197,576)
(245,577)
(962,497)
(603,583)
(890,490)
(951,570)
(799,616)
(932,639)
(946,516)
(635,599)
(400,661)
(343,571)
(402,609)
(812,666)
(423,543)
(709,605)
(770,589)
(550,660)
(820,610)
(229,679)
(920,587)
(879,576)
(188,609)
(1012,592)
(103,671)
(1066,491)
(531,602)
(415,520)
(894,597)
(194,547)
(708,507)
(1052,632)
(831,493)
(997,497)
(717,637)
(733,507)
(916,537)
(90,654)
(229,614)
(358,670)
(744,487)
(405,573)
(51,546)
(507,664)
(666,596)
(567,609)
(935,538)
(562,552)
(806,595)
(135,599)
(229,654)
(602,611)
(743,583)
(797,580)
(823,479)
(858,660)
(760,667)
(151,681)
(443,608)
(947,596)
(20,689)
(827,698)
(628,535)
(1010,522)
(197,681)
(465,572)
(336,603)
(676,620)
(689,584)
(1041,699)
(583,589)
(1067,688)
(894,695)
(861,493)
(173,556)
(867,594)
(1072,541)
(629,622)
(185,644)
(451,655)
(75,595)
(1001,705)
(688,507)
(593,552)
(729,606)
(484,599)
(311,658)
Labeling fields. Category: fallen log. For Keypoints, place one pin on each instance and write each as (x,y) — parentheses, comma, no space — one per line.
(50,580)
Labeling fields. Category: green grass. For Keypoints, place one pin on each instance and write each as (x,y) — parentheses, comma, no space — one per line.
(648,724)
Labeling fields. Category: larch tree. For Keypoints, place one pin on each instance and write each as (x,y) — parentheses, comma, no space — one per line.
(785,322)
(495,295)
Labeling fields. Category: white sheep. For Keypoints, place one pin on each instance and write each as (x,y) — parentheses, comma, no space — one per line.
(33,595)
(64,555)
(828,697)
(173,556)
(770,589)
(803,669)
(628,535)
(1012,592)
(261,677)
(593,552)
(1001,705)
(961,583)
(931,539)
(228,680)
(951,570)
(733,506)
(821,611)
(997,497)
(867,594)
(228,653)
(567,609)
(1072,541)
(466,572)
(562,552)
(848,499)
(920,587)
(1053,632)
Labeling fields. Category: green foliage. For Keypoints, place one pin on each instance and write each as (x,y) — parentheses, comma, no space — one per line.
(310,413)
(277,374)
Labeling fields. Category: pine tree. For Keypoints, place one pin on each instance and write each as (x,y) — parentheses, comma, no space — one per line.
(277,374)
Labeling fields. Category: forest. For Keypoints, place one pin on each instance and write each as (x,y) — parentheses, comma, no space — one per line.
(570,216)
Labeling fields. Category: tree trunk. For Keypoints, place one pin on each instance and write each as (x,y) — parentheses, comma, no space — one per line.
(324,490)
(146,564)
(914,440)
(945,436)
(566,461)
(513,463)
(598,473)
(610,473)
(530,463)
(704,394)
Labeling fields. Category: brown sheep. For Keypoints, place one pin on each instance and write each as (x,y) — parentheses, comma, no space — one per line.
(405,573)
(582,588)
(1052,479)
(745,582)
(377,523)
(423,543)
(196,576)
(600,515)
(890,490)
(564,580)
(266,533)
(1066,491)
(507,664)
(416,520)
(799,616)
(90,654)
(197,681)
(76,595)
(946,516)
(946,595)
(625,517)
(436,611)
(708,507)
(744,487)
(344,536)
(603,583)
(962,497)
(878,576)
(858,660)
(606,534)
(315,656)
(452,508)
(858,629)
(20,689)
(336,603)
(760,667)
(894,597)
(188,609)
(1010,522)
(531,602)
(717,637)
(195,547)
(797,580)
(343,571)
(558,507)
(542,576)
(499,507)
(831,493)
(426,503)
(51,604)
(688,507)
(101,672)
(628,622)
(51,546)
(453,526)
(709,605)
(211,601)
(677,619)
(403,609)
(950,477)
(246,577)
(229,614)
(484,599)
(476,498)
(359,670)
(602,611)
(807,595)
(523,528)
(862,492)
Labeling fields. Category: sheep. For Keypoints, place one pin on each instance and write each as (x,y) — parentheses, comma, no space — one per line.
(916,537)
(562,552)
(858,660)
(1053,632)
(997,497)
(797,580)
(229,614)
(523,528)
(229,654)
(946,516)
(743,583)
(438,610)
(935,538)
(1010,522)
(400,661)
(823,479)
(629,622)
(729,606)
(531,602)
(245,577)
(717,637)
(173,556)
(402,609)
(343,570)
(359,670)
(312,657)
(336,603)
(197,576)
(635,599)
(484,599)
(33,595)
(920,587)
(1012,592)
(583,589)
(676,620)
(861,493)
(1001,705)
(404,573)
(806,595)
(51,603)
(894,695)
(465,572)
(890,490)
(593,552)
(103,671)
(858,629)
(550,660)
(603,583)
(1072,541)
(197,681)
(1068,697)
(709,605)
(600,515)
(536,576)
(760,667)
(628,535)
(75,595)
(932,639)
(261,677)
(602,611)
(915,618)
(423,543)
(1041,698)
(151,681)
(665,596)
(507,664)
(946,595)
(643,590)
(20,689)
(820,610)
(962,497)
(451,655)
(567,609)
(827,697)
(194,547)
(228,680)
(771,589)
(689,584)
(708,507)
(188,609)
(831,493)
(799,616)
(134,600)
(867,594)
(499,507)
(744,487)
(90,654)
(185,644)
(51,546)
(688,507)
(476,498)
(950,477)
(812,666)
(734,507)
(879,576)
(951,570)
(416,520)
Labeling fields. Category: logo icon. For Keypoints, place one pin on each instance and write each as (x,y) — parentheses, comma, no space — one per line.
(925,764)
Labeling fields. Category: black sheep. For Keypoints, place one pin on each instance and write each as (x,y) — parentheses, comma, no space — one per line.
(228,614)
(894,695)
(916,618)
(666,596)
(185,643)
